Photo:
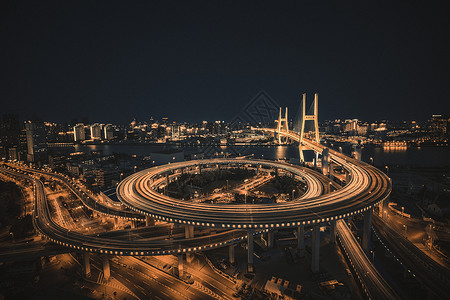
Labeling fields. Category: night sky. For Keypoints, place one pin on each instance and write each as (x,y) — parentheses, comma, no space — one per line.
(111,61)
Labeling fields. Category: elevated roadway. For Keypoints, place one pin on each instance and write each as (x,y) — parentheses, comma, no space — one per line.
(367,187)
(162,245)
(373,284)
(432,275)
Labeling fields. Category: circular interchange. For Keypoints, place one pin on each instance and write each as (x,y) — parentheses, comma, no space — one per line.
(366,188)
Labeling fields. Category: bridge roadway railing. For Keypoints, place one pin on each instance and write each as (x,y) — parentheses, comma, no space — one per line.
(44,223)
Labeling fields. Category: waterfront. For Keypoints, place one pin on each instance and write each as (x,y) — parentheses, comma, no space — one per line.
(431,157)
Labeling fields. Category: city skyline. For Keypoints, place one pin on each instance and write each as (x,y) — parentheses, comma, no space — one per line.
(206,60)
(224,150)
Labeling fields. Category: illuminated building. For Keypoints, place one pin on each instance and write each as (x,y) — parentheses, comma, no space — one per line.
(439,124)
(108,132)
(36,141)
(96,132)
(78,133)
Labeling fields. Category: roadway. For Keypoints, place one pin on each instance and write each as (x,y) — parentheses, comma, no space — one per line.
(367,187)
(432,274)
(87,200)
(161,245)
(372,282)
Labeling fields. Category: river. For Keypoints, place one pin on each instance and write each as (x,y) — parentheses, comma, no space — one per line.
(413,157)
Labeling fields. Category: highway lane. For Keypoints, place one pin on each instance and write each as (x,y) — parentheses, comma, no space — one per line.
(156,282)
(429,272)
(44,223)
(372,282)
(201,273)
(366,188)
(30,250)
(87,200)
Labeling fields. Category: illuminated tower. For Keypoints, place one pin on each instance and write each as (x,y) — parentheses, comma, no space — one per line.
(282,124)
(303,118)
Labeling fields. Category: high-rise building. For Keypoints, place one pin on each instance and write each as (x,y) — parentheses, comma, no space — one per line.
(36,141)
(439,124)
(96,132)
(108,132)
(78,133)
(105,177)
(9,135)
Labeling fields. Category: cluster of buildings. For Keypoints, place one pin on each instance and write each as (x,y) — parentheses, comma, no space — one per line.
(40,142)
(93,132)
(431,132)
(22,141)
(354,127)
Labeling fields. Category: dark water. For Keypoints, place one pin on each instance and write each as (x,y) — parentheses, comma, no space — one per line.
(419,157)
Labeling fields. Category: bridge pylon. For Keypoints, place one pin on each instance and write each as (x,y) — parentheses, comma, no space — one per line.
(282,124)
(305,117)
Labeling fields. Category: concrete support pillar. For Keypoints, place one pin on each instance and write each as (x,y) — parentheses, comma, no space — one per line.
(200,169)
(86,265)
(149,221)
(188,231)
(250,266)
(300,153)
(315,247)
(116,223)
(350,220)
(385,208)
(380,209)
(106,268)
(180,266)
(133,224)
(347,177)
(231,257)
(190,257)
(315,160)
(332,232)
(325,161)
(367,229)
(167,179)
(270,238)
(301,240)
(325,169)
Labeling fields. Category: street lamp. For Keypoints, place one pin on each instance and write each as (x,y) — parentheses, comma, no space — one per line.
(293,192)
(371,161)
